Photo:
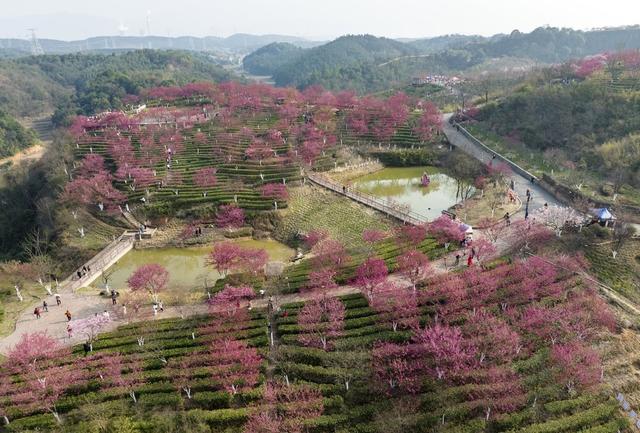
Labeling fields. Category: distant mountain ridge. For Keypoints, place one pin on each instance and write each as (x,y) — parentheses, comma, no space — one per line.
(235,44)
(367,63)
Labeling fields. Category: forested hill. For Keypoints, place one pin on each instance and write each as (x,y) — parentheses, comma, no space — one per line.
(440,43)
(366,63)
(90,83)
(268,59)
(551,45)
(338,64)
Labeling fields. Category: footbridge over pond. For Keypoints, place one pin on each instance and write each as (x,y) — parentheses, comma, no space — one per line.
(405,216)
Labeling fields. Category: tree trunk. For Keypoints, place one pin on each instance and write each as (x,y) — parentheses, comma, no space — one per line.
(56,415)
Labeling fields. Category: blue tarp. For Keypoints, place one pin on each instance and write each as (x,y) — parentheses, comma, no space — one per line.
(603,214)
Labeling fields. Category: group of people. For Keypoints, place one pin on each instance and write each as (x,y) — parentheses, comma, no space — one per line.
(472,255)
(84,271)
(45,306)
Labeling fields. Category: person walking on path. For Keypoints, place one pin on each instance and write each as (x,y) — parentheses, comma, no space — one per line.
(58,299)
(507,219)
(45,306)
(470,261)
(68,314)
(113,298)
(513,185)
(69,331)
(36,312)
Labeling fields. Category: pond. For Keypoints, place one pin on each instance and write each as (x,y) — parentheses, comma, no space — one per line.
(187,266)
(402,185)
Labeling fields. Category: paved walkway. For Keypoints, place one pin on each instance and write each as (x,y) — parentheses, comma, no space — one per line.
(540,196)
(54,321)
(81,306)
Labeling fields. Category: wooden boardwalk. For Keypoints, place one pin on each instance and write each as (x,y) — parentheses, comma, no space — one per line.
(368,200)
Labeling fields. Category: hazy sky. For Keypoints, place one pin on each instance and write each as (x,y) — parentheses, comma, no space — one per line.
(324,19)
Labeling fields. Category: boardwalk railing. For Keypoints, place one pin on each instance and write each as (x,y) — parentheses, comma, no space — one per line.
(368,200)
(100,261)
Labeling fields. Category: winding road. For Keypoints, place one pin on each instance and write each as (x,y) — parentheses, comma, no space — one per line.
(459,140)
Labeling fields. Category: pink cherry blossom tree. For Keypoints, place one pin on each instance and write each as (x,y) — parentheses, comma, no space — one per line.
(6,389)
(229,217)
(48,382)
(578,366)
(228,256)
(253,260)
(286,409)
(499,389)
(314,236)
(397,369)
(205,178)
(493,338)
(90,327)
(483,248)
(259,151)
(329,253)
(429,123)
(182,376)
(396,306)
(369,274)
(234,364)
(445,349)
(31,349)
(410,236)
(231,299)
(445,230)
(322,281)
(152,278)
(373,237)
(414,265)
(274,191)
(225,256)
(321,321)
(91,165)
(142,178)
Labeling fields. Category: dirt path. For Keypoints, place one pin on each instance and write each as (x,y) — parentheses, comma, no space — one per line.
(32,153)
